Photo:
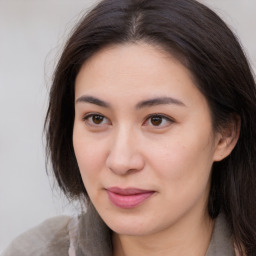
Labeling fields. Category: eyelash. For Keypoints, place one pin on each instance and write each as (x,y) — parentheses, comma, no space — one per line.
(162,117)
(89,122)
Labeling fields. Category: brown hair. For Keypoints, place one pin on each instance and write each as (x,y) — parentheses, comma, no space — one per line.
(202,42)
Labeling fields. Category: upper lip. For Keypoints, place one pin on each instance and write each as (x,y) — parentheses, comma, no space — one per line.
(128,191)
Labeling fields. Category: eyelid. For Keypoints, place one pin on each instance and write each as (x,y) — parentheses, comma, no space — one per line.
(86,117)
(163,116)
(106,121)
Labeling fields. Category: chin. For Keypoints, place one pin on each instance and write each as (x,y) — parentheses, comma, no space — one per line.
(131,225)
(131,230)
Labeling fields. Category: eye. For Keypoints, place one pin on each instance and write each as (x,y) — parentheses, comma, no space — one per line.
(96,120)
(158,120)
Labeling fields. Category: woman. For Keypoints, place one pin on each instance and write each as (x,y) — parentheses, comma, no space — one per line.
(151,121)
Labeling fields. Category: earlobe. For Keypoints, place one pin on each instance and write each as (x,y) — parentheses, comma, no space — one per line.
(227,138)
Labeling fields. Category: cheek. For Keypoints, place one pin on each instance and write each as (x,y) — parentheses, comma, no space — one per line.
(183,173)
(183,161)
(90,159)
(89,153)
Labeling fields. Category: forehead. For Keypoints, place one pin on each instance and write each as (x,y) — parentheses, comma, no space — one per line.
(137,70)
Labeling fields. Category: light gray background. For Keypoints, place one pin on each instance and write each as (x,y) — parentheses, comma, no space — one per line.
(32,33)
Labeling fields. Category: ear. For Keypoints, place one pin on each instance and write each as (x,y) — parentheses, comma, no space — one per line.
(227,138)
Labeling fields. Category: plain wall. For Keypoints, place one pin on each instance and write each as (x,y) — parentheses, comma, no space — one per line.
(32,33)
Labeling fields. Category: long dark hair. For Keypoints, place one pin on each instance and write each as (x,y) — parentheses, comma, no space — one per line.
(197,37)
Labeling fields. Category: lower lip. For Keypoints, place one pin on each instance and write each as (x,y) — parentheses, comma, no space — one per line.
(128,201)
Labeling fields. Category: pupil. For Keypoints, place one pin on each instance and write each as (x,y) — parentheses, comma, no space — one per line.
(97,119)
(156,120)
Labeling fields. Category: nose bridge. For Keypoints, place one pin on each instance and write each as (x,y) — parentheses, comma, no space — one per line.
(124,153)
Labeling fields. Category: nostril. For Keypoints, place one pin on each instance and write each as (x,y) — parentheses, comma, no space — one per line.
(123,165)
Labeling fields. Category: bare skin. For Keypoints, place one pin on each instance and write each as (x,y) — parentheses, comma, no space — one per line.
(141,124)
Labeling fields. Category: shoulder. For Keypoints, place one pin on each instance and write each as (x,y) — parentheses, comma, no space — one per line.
(49,238)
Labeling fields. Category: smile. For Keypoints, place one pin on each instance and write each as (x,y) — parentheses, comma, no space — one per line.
(128,198)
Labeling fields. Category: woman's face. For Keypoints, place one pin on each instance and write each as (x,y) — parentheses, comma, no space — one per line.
(143,139)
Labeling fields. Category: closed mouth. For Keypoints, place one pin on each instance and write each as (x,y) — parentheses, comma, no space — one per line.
(128,197)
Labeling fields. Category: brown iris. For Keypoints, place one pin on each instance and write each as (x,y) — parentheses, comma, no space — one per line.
(97,119)
(156,120)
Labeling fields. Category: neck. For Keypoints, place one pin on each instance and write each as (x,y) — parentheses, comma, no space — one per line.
(191,237)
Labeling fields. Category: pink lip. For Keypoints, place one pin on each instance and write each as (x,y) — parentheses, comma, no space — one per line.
(129,197)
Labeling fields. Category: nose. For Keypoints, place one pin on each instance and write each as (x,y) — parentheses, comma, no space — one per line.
(124,154)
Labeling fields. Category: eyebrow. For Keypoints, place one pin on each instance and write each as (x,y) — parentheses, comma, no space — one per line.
(93,100)
(142,104)
(159,101)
